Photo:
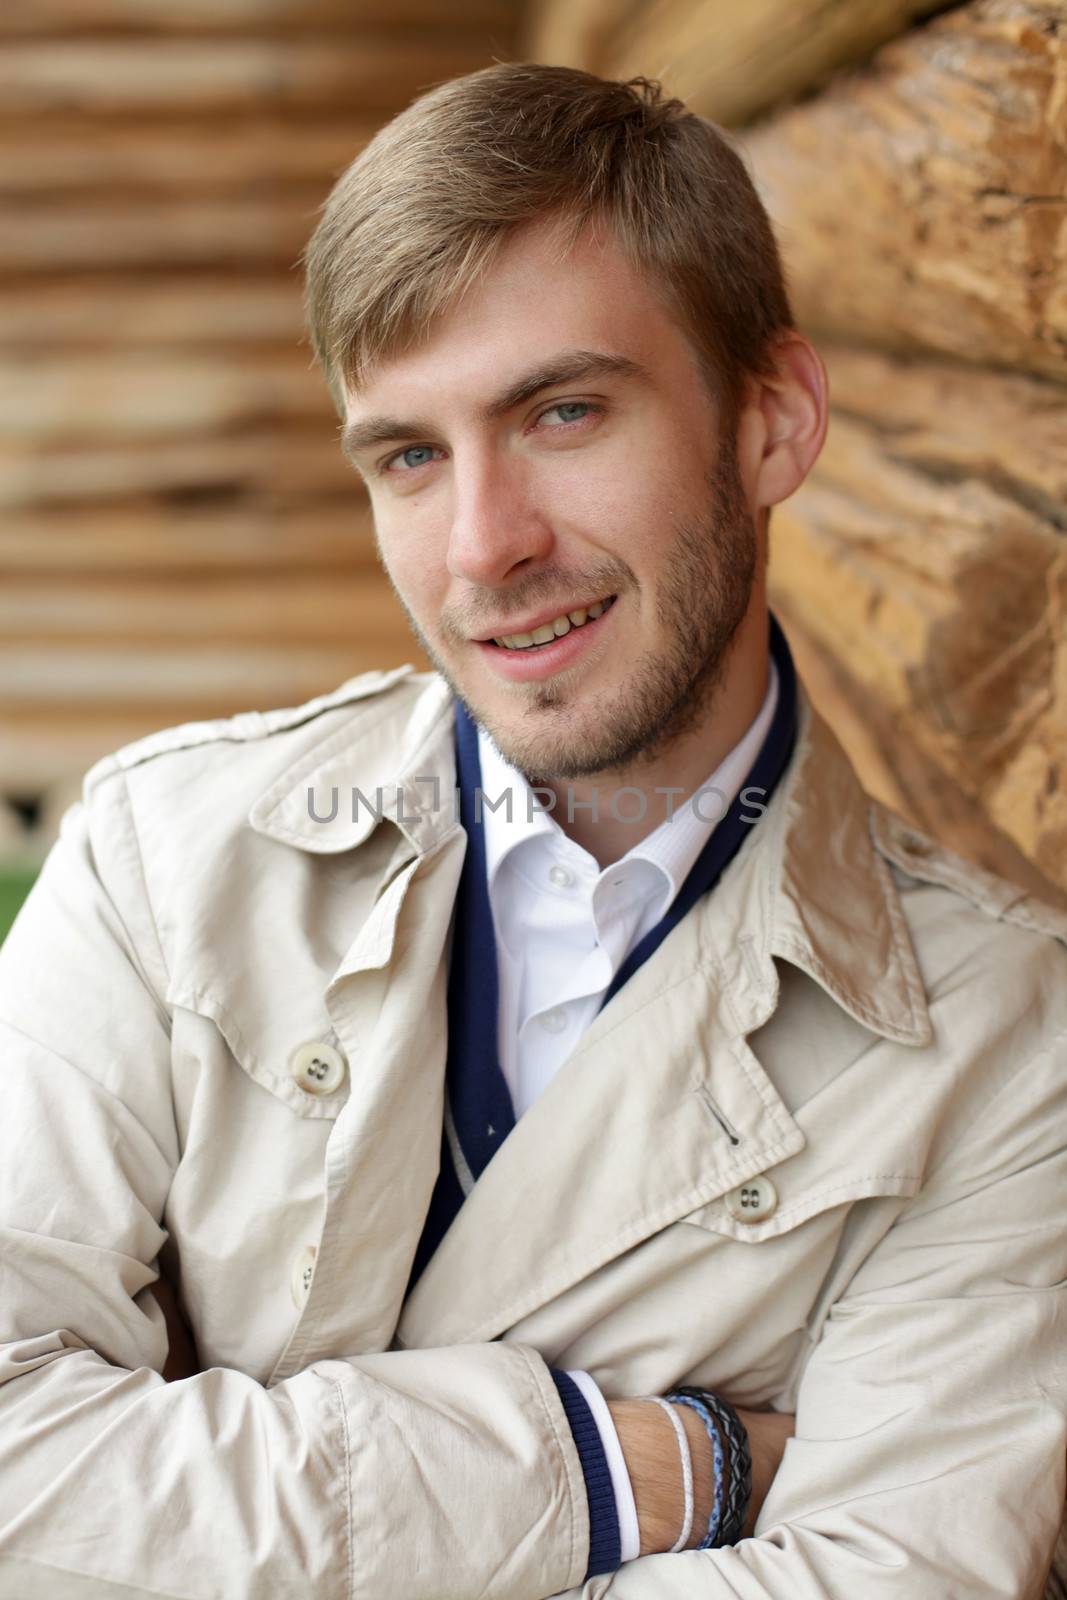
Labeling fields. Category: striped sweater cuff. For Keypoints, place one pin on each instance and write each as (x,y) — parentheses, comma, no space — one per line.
(604,1539)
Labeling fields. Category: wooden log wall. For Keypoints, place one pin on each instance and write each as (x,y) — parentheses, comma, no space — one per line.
(915,168)
(179,534)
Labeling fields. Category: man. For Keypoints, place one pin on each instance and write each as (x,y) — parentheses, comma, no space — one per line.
(467,1131)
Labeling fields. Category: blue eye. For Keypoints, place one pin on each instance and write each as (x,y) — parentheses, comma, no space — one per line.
(421,452)
(575,408)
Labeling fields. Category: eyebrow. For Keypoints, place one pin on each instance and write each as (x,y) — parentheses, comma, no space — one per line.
(570,366)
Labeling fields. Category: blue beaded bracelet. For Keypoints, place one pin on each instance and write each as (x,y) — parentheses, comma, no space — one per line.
(718,1459)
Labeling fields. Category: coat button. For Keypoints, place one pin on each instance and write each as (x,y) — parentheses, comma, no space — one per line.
(317,1067)
(300,1280)
(753,1201)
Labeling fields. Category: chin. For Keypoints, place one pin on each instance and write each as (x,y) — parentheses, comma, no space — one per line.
(563,754)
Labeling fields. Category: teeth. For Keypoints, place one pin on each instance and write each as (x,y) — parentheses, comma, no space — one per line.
(552,630)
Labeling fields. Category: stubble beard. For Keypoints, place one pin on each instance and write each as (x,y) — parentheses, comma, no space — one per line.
(704,597)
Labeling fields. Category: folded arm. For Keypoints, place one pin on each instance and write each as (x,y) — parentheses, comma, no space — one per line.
(446,1473)
(931,1423)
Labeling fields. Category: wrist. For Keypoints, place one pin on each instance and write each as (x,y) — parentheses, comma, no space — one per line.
(653,1460)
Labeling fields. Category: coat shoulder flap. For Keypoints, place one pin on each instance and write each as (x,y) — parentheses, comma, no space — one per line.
(243,726)
(922,858)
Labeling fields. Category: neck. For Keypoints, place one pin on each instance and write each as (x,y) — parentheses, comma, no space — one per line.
(598,816)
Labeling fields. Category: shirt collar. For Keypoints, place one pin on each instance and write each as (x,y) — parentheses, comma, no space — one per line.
(672,847)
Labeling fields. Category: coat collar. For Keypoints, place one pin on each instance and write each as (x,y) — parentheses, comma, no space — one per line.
(392,761)
(812,888)
(832,906)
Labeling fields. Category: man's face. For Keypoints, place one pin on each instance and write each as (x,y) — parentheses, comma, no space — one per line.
(548,459)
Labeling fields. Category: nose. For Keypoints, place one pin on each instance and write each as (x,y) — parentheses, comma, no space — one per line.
(497,526)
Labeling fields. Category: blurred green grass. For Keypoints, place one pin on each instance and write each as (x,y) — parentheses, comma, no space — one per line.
(15,883)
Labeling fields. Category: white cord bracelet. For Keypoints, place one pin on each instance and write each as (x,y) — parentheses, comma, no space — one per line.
(687,1472)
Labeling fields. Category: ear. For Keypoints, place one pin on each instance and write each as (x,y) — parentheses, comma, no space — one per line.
(783,424)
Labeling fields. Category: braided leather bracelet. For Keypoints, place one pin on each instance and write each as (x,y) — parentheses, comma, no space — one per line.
(739,1492)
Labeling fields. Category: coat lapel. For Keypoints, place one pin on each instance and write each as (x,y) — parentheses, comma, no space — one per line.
(660,1109)
(663,1106)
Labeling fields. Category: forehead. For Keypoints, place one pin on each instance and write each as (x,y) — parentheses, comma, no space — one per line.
(541,294)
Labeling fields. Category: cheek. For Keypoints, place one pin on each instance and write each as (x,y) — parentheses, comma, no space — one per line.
(413,558)
(609,502)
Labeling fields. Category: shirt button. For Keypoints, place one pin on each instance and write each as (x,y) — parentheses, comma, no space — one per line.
(753,1201)
(317,1067)
(300,1280)
(554,1021)
(562,877)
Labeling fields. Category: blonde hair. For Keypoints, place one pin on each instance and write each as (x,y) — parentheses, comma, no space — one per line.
(426,205)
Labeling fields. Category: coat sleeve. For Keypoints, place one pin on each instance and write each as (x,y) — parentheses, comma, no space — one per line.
(443,1474)
(931,1426)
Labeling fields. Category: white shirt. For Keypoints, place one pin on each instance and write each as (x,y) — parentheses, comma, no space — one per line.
(564,926)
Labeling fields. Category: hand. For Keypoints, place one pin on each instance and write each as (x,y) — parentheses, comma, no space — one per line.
(767,1434)
(650,1448)
(181,1359)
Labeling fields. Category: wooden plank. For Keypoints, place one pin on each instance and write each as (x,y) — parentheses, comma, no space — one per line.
(941,221)
(216,678)
(143,392)
(901,774)
(195,77)
(252,152)
(732,62)
(49,745)
(189,536)
(575,33)
(46,747)
(86,309)
(262,467)
(926,558)
(26,18)
(157,613)
(147,231)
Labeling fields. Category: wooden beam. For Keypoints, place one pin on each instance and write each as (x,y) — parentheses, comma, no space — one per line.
(376,72)
(214,678)
(28,18)
(157,613)
(575,33)
(262,153)
(105,309)
(924,204)
(144,392)
(233,230)
(926,560)
(901,774)
(262,467)
(186,535)
(729,62)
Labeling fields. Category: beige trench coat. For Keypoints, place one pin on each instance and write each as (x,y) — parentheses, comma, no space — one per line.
(863,1031)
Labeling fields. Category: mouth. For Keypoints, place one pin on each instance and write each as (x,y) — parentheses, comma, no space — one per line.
(553,646)
(547,633)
